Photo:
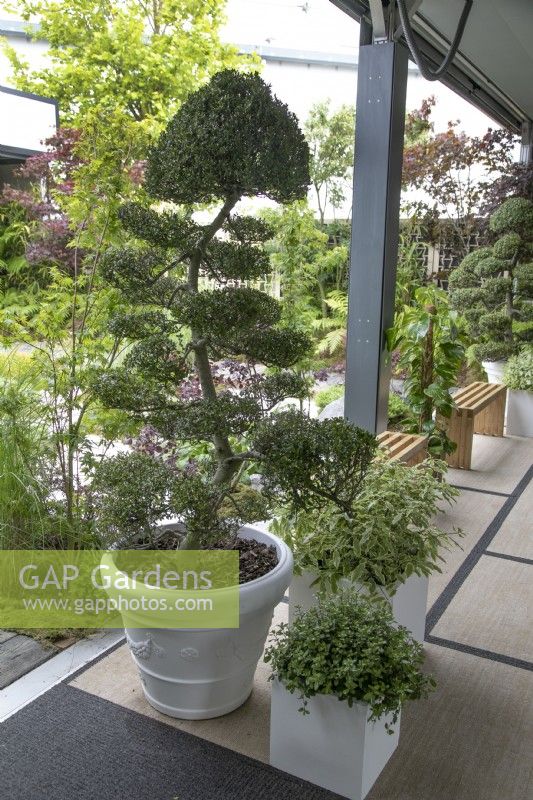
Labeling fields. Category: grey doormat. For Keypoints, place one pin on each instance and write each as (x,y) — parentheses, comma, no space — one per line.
(70,745)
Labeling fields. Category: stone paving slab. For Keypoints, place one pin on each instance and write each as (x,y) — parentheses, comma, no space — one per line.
(498,464)
(515,537)
(472,513)
(493,609)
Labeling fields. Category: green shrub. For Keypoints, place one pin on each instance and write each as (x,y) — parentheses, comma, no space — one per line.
(307,462)
(326,396)
(493,287)
(24,490)
(349,648)
(229,140)
(398,410)
(519,370)
(385,535)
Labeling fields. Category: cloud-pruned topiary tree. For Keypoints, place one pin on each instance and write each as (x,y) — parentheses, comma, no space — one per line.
(493,286)
(230,139)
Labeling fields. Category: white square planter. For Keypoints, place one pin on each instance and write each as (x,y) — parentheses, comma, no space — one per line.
(408,603)
(334,746)
(519,420)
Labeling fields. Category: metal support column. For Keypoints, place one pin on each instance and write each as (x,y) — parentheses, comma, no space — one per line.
(380,119)
(526,150)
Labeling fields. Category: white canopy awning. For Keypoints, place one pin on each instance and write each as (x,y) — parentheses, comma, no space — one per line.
(493,68)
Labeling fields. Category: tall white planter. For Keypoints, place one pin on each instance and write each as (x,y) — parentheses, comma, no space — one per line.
(334,746)
(408,603)
(494,370)
(519,420)
(200,673)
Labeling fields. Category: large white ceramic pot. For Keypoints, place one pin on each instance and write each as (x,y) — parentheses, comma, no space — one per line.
(408,603)
(205,673)
(333,746)
(494,370)
(519,420)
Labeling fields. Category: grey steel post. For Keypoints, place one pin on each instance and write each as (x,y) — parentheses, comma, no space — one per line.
(380,119)
(526,150)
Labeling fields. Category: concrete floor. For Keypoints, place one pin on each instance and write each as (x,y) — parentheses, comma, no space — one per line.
(473,739)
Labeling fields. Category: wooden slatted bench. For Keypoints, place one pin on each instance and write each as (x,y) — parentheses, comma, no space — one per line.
(478,408)
(409,448)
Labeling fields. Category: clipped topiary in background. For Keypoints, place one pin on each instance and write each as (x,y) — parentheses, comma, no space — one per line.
(493,286)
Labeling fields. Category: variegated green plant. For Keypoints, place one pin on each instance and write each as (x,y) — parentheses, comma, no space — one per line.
(388,534)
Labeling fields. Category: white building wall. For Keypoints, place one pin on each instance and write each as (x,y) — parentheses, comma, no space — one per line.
(319,27)
(309,51)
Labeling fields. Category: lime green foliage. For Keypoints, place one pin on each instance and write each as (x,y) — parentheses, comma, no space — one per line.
(326,396)
(119,71)
(18,367)
(519,371)
(30,515)
(66,345)
(410,270)
(310,256)
(398,410)
(493,287)
(22,455)
(333,327)
(116,61)
(15,274)
(385,534)
(330,135)
(308,261)
(431,343)
(350,649)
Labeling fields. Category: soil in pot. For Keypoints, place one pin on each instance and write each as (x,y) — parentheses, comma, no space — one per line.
(255,558)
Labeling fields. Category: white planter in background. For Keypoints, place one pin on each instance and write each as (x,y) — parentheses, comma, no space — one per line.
(519,420)
(200,673)
(494,370)
(408,603)
(334,746)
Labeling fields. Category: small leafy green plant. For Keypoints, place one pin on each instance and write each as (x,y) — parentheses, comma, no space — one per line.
(385,534)
(327,395)
(430,340)
(349,648)
(398,410)
(519,371)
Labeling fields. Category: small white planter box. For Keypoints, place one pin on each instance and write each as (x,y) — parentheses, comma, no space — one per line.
(408,603)
(519,413)
(334,746)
